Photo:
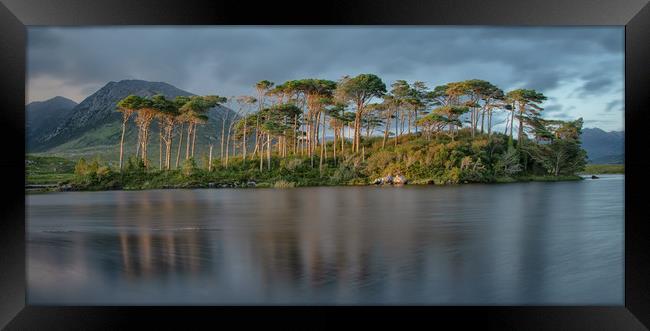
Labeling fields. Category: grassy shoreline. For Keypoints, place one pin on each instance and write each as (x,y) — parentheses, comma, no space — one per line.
(421,160)
(603,169)
(279,184)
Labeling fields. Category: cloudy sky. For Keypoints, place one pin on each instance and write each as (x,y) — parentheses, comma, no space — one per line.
(580,69)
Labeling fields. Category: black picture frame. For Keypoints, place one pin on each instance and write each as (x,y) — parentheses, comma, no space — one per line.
(16,14)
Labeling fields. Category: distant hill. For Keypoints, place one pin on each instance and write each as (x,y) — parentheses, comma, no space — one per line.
(99,109)
(44,116)
(604,147)
(93,127)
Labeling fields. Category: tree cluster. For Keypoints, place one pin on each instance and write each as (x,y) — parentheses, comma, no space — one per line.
(334,122)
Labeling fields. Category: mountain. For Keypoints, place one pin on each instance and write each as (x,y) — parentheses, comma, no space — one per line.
(99,109)
(604,147)
(44,116)
(93,127)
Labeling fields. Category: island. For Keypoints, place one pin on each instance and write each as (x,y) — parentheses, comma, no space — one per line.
(317,132)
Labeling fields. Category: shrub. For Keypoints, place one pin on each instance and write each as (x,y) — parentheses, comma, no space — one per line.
(81,168)
(508,163)
(453,176)
(103,172)
(291,164)
(343,174)
(189,167)
(134,164)
(283,184)
(378,163)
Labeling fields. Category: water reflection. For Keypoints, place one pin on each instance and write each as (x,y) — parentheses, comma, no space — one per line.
(533,243)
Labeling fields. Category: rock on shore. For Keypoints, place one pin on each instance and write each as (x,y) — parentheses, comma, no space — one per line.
(389,179)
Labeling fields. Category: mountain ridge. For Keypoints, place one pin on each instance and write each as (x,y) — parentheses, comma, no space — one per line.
(604,147)
(93,126)
(99,108)
(44,116)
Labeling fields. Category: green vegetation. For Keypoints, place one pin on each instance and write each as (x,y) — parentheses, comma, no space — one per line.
(279,137)
(597,169)
(433,160)
(48,169)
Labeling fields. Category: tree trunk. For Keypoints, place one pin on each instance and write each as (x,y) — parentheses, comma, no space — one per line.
(244,143)
(512,120)
(227,147)
(145,147)
(187,145)
(257,145)
(305,138)
(122,144)
(396,130)
(295,134)
(193,138)
(312,140)
(141,148)
(145,141)
(268,151)
(482,120)
(317,131)
(139,145)
(324,137)
(284,146)
(257,133)
(322,147)
(471,121)
(308,130)
(336,133)
(357,128)
(210,159)
(168,149)
(223,136)
(234,145)
(520,135)
(180,144)
(397,125)
(160,145)
(386,131)
(261,153)
(489,124)
(343,140)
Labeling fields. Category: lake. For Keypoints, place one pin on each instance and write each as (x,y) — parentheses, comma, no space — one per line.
(556,243)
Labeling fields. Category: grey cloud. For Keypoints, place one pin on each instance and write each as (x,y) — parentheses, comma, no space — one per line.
(228,61)
(594,87)
(562,116)
(614,105)
(555,109)
(540,58)
(607,76)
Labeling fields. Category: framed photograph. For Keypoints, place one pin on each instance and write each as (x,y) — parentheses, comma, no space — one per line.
(462,162)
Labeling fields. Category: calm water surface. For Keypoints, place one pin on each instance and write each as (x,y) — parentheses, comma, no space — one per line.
(522,243)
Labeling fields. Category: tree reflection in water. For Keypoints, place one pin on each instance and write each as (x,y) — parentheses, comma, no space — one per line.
(539,243)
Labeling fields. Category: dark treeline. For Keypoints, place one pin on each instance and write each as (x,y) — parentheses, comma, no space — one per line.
(356,129)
